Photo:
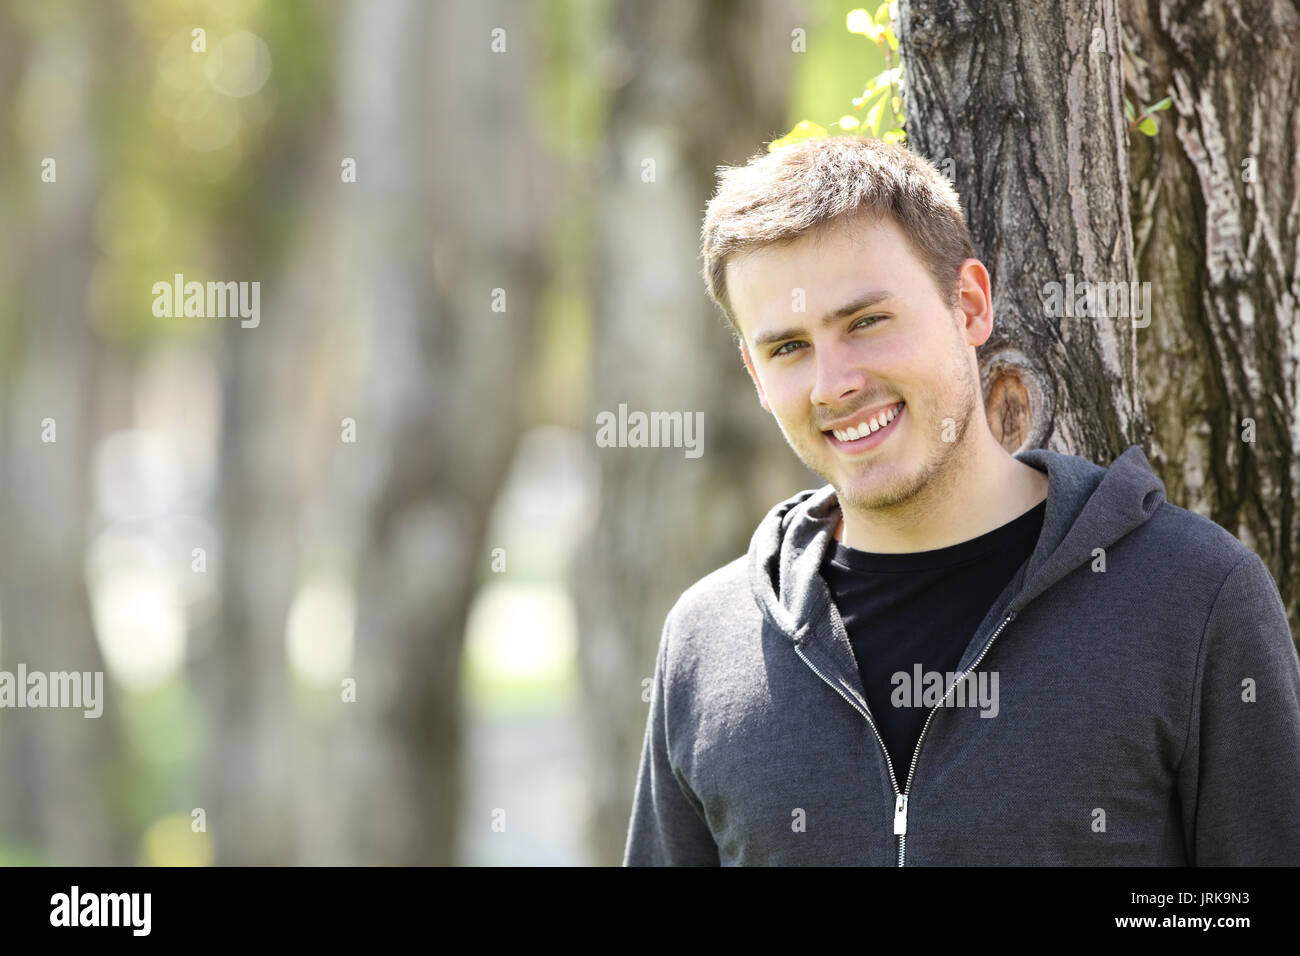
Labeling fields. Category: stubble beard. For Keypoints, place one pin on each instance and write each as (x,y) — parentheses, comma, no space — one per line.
(935,478)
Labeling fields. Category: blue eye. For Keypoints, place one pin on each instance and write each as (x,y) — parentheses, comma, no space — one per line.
(870,319)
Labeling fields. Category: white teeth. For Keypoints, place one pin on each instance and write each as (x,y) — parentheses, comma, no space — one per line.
(866,428)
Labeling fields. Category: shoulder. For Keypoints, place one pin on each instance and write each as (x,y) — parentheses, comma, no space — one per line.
(1202,566)
(716,656)
(712,621)
(715,598)
(1193,542)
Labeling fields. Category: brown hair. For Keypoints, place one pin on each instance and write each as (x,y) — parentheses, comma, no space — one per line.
(779,196)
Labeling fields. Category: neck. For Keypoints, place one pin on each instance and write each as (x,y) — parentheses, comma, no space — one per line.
(983,488)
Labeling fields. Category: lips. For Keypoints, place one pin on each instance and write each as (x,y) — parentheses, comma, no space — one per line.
(867,440)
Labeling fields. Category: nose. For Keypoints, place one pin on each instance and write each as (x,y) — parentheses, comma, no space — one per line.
(838,376)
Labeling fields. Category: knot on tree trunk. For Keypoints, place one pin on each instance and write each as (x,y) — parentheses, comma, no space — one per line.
(1016,399)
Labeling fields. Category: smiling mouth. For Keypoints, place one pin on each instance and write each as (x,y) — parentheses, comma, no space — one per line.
(866,437)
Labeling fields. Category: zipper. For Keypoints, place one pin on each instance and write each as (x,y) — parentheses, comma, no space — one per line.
(900,796)
(854,704)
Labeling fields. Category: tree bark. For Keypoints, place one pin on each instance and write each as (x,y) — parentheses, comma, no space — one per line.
(1216,199)
(1022,102)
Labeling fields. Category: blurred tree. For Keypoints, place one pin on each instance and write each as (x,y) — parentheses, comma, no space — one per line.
(243,673)
(58,766)
(693,85)
(449,216)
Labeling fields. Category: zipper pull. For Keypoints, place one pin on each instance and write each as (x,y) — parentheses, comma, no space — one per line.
(900,815)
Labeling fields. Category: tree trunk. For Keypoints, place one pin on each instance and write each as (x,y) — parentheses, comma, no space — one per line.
(1024,99)
(1216,199)
(449,205)
(55,765)
(701,84)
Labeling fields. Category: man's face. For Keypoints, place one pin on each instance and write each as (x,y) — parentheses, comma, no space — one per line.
(897,341)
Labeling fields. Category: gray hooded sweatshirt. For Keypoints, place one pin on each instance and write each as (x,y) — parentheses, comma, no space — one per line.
(1148,706)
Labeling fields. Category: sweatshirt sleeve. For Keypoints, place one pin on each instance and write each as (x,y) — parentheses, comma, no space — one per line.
(1239,780)
(668,826)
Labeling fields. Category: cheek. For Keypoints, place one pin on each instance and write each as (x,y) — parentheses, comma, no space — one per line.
(926,365)
(784,395)
(793,414)
(909,353)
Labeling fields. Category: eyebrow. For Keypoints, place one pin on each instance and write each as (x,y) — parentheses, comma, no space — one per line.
(857,305)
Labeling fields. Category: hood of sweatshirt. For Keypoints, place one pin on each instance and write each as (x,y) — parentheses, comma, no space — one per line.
(1088,507)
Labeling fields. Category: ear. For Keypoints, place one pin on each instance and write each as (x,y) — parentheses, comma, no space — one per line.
(749,366)
(974,302)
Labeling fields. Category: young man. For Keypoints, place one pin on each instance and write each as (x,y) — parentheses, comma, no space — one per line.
(948,655)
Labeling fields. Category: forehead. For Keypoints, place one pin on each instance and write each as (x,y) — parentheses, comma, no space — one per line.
(828,265)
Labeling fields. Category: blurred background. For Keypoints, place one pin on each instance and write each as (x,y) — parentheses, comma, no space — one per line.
(362,583)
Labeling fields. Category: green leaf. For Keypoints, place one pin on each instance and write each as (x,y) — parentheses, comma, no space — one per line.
(1148,126)
(859,21)
(1128,110)
(879,96)
(893,136)
(892,40)
(885,78)
(848,122)
(1162,105)
(804,129)
(873,117)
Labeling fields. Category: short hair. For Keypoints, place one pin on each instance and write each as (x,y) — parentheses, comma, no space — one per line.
(781,195)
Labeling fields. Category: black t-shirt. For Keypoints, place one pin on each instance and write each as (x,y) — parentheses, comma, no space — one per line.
(922,608)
